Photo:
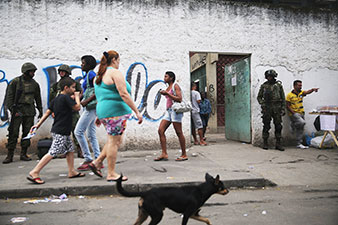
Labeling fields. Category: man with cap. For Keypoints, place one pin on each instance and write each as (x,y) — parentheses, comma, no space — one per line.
(65,71)
(23,97)
(271,97)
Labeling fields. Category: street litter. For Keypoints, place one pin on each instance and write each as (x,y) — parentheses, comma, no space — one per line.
(251,167)
(193,154)
(245,214)
(264,212)
(170,178)
(81,196)
(20,167)
(62,175)
(91,173)
(53,198)
(63,196)
(18,219)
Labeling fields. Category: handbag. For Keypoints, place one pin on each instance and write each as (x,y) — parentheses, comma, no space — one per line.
(183,106)
(88,93)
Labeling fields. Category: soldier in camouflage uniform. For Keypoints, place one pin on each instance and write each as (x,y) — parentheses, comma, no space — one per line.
(271,97)
(22,94)
(65,71)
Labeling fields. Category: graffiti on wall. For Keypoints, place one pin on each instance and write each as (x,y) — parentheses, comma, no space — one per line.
(212,98)
(145,93)
(4,115)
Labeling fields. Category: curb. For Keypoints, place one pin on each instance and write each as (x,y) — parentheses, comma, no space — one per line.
(111,189)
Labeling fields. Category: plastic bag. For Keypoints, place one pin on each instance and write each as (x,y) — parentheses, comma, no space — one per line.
(328,142)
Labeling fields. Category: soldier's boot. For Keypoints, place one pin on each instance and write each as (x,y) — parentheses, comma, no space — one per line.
(279,145)
(9,157)
(265,144)
(24,156)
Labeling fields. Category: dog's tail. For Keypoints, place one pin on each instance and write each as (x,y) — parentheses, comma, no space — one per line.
(123,192)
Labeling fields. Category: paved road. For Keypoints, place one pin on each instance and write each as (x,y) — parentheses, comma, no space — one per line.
(282,206)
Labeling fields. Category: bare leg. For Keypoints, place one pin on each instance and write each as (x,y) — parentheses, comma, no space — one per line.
(99,160)
(70,163)
(179,132)
(112,146)
(161,132)
(200,134)
(193,132)
(42,163)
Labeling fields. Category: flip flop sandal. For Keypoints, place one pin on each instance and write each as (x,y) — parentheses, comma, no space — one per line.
(36,180)
(78,175)
(180,159)
(124,178)
(161,159)
(96,171)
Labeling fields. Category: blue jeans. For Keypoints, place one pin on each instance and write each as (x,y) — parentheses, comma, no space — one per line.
(87,121)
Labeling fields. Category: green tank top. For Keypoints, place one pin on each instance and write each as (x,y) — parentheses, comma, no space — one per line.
(109,101)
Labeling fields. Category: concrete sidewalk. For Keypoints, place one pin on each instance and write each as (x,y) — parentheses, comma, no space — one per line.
(238,164)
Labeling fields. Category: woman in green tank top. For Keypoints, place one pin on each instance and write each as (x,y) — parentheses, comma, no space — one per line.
(114,107)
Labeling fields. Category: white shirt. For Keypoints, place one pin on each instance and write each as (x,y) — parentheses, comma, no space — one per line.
(195,96)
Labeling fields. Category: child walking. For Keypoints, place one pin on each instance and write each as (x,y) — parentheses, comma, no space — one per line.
(62,107)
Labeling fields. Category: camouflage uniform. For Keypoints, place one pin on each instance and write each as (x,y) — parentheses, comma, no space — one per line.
(271,97)
(55,91)
(25,108)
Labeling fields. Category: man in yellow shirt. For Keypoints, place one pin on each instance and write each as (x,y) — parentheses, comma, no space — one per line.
(294,105)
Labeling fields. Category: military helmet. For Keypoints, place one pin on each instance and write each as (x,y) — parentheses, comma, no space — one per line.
(27,67)
(270,73)
(66,68)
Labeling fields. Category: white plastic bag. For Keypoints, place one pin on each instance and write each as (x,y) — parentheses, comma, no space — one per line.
(328,142)
(181,107)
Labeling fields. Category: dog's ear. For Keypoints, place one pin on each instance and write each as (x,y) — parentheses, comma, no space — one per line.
(217,180)
(208,177)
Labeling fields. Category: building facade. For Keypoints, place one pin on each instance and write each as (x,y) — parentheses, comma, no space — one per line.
(225,45)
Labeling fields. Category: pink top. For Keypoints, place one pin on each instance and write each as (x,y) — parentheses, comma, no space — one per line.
(169,100)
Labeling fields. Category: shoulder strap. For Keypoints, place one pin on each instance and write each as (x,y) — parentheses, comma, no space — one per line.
(88,79)
(173,88)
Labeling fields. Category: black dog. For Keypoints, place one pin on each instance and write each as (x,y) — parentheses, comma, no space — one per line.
(186,200)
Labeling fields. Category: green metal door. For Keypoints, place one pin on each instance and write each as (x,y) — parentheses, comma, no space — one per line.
(237,101)
(200,75)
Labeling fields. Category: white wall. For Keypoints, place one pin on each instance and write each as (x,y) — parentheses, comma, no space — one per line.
(298,44)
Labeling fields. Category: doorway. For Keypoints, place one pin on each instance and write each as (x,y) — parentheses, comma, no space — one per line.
(214,73)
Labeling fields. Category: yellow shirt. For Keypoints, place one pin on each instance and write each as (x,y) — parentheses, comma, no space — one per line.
(296,102)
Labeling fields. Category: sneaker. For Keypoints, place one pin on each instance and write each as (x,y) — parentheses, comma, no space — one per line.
(302,146)
(84,166)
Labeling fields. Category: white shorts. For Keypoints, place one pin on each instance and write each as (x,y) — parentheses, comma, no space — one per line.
(196,118)
(171,116)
